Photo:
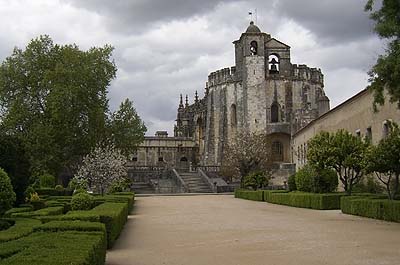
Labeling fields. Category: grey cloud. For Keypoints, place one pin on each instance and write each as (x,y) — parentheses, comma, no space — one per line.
(332,21)
(139,15)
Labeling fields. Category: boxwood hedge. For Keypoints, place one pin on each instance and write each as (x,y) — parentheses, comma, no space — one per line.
(317,201)
(21,228)
(62,248)
(257,195)
(372,207)
(56,210)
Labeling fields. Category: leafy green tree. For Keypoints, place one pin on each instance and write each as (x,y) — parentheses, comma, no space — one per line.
(54,98)
(385,74)
(384,161)
(341,151)
(127,129)
(7,195)
(14,161)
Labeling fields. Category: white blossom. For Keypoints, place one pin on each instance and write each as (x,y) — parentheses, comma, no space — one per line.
(102,167)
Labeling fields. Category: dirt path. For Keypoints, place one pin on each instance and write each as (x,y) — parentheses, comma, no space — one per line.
(221,230)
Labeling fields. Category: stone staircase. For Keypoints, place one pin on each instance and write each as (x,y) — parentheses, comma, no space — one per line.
(142,188)
(195,183)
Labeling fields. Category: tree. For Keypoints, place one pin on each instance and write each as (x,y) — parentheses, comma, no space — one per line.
(102,167)
(341,151)
(127,129)
(54,98)
(14,161)
(248,153)
(7,195)
(384,161)
(385,73)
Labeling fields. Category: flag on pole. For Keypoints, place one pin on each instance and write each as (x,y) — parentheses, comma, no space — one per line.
(250,13)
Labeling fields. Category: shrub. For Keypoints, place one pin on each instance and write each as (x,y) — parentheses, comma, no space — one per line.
(372,207)
(310,179)
(256,180)
(5,224)
(47,181)
(292,183)
(326,180)
(305,179)
(113,215)
(57,210)
(127,197)
(82,201)
(249,194)
(267,193)
(36,202)
(307,200)
(21,228)
(64,248)
(18,210)
(119,186)
(77,225)
(28,192)
(7,194)
(59,188)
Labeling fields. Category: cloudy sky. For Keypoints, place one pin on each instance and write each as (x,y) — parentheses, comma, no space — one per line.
(167,47)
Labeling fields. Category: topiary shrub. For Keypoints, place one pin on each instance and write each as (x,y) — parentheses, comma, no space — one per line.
(82,201)
(47,181)
(256,180)
(325,180)
(292,183)
(304,179)
(7,194)
(28,193)
(36,202)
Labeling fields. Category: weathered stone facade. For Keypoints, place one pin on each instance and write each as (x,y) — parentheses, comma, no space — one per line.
(263,92)
(355,115)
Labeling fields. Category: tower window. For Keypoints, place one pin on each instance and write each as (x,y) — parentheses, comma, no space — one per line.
(253,47)
(184,159)
(233,115)
(273,64)
(274,112)
(160,159)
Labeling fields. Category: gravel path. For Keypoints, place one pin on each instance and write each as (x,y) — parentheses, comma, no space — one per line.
(209,229)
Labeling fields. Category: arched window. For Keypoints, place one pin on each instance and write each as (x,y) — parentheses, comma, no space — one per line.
(184,159)
(273,64)
(277,151)
(253,47)
(274,112)
(233,115)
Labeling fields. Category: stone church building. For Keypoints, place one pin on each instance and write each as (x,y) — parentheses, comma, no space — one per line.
(263,92)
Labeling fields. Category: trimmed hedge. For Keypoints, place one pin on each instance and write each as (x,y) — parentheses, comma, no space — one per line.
(57,210)
(113,215)
(328,201)
(257,195)
(316,201)
(53,192)
(63,248)
(371,207)
(17,210)
(56,226)
(128,197)
(21,228)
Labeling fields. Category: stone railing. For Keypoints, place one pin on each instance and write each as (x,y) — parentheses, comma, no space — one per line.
(213,186)
(179,181)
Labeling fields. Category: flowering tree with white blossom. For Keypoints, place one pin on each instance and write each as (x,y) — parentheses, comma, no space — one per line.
(102,167)
(248,153)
